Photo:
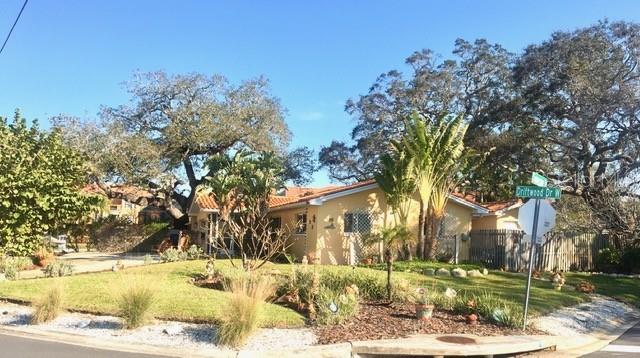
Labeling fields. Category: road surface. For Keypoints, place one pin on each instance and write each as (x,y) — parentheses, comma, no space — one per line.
(21,347)
(626,346)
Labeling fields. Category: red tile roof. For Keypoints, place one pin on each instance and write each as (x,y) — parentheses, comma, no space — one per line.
(206,201)
(500,205)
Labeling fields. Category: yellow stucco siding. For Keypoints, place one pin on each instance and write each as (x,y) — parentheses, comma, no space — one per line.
(299,244)
(333,243)
(503,221)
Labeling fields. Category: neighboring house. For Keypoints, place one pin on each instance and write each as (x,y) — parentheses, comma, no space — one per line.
(501,215)
(123,201)
(329,223)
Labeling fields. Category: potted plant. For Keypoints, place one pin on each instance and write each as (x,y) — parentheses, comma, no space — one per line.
(424,308)
(43,256)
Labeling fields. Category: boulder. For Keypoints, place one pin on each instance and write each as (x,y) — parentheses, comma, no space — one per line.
(429,272)
(458,272)
(474,273)
(443,272)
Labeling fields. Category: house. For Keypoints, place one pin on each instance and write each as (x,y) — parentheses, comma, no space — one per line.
(501,215)
(123,201)
(330,223)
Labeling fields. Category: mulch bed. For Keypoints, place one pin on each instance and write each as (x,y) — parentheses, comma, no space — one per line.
(381,321)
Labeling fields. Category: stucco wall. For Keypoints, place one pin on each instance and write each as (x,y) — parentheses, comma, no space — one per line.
(300,244)
(508,220)
(333,243)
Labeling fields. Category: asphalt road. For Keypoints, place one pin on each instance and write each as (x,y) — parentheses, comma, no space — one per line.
(626,346)
(20,347)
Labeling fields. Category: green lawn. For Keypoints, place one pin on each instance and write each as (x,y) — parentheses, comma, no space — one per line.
(621,288)
(178,299)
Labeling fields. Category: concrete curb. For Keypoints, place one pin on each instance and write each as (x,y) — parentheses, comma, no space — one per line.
(419,345)
(92,342)
(577,346)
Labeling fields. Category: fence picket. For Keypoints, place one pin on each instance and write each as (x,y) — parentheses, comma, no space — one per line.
(561,250)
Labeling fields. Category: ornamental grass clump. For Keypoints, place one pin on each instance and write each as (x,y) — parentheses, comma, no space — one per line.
(336,307)
(47,307)
(134,303)
(240,318)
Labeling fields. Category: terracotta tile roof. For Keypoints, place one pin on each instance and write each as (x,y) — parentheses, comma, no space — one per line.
(500,205)
(206,201)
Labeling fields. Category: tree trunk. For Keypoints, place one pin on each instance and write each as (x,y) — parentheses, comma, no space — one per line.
(388,258)
(420,248)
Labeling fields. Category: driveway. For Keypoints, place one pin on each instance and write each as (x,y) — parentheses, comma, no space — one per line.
(83,262)
(628,345)
(21,347)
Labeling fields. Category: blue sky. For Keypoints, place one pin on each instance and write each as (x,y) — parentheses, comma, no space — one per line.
(72,56)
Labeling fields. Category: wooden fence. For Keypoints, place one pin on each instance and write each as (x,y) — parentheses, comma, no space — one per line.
(509,249)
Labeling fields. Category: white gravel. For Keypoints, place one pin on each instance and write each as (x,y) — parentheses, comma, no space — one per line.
(601,314)
(193,337)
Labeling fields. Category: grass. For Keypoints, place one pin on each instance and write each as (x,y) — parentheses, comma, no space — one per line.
(47,307)
(621,288)
(176,298)
(135,301)
(420,266)
(241,317)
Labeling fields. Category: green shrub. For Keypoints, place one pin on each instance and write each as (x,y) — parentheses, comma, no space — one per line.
(241,314)
(372,286)
(58,269)
(152,228)
(134,303)
(630,261)
(608,260)
(173,255)
(147,259)
(194,252)
(47,307)
(498,310)
(336,307)
(12,265)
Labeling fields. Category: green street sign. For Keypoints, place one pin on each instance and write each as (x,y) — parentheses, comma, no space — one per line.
(539,179)
(537,192)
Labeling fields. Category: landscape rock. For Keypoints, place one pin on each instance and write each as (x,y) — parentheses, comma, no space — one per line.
(443,272)
(485,271)
(172,330)
(458,272)
(474,273)
(429,272)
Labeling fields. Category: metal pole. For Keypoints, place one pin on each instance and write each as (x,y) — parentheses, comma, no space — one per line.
(534,233)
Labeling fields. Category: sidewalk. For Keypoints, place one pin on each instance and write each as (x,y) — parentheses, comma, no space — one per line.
(84,262)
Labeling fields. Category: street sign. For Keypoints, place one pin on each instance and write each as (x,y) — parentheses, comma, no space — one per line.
(536,192)
(546,218)
(539,179)
(536,217)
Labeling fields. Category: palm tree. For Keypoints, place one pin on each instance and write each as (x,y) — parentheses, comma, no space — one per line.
(395,178)
(436,150)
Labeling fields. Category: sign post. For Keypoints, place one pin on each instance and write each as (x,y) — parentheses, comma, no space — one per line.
(540,225)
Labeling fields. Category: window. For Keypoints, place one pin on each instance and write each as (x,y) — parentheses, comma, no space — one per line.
(276,223)
(357,223)
(301,223)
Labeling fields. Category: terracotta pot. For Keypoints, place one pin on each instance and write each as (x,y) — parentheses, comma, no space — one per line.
(43,262)
(424,311)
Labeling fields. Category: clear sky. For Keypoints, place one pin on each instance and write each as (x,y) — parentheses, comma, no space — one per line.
(71,56)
